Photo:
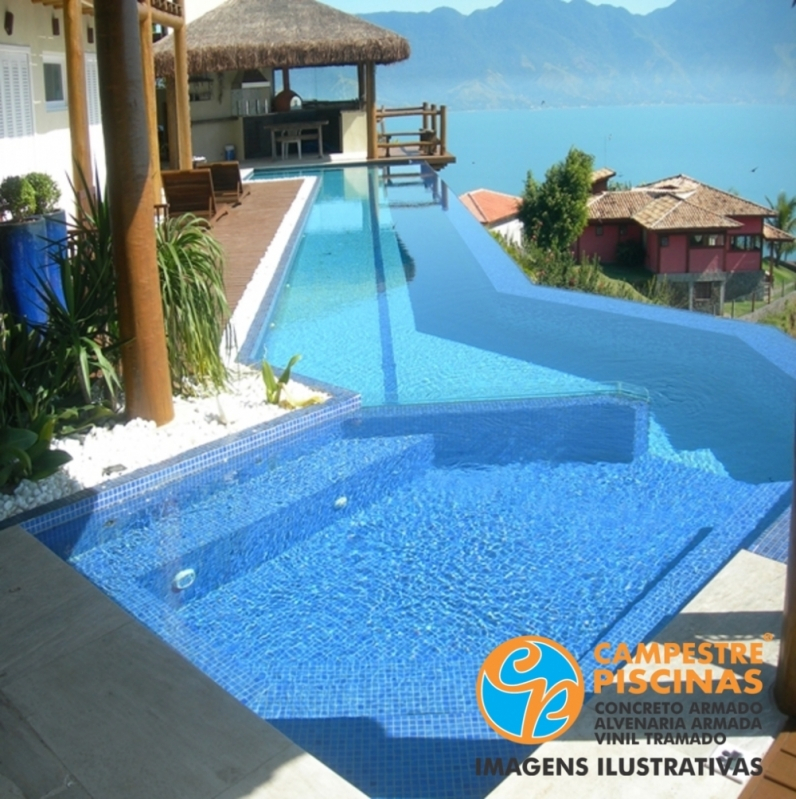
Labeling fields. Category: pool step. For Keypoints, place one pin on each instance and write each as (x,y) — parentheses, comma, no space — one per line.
(587,429)
(237,527)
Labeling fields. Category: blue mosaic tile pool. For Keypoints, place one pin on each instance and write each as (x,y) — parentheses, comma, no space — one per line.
(345,572)
(350,579)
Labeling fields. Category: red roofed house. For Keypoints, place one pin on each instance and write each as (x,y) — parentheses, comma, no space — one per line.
(690,232)
(496,212)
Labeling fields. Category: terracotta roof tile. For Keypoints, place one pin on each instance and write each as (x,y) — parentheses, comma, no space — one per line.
(669,212)
(715,200)
(771,233)
(604,173)
(490,207)
(611,205)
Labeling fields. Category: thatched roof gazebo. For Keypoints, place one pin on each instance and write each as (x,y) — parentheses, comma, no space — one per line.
(249,34)
(280,34)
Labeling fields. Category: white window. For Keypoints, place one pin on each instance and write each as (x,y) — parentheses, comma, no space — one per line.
(92,89)
(54,81)
(16,102)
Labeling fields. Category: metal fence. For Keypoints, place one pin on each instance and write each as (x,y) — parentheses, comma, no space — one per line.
(765,294)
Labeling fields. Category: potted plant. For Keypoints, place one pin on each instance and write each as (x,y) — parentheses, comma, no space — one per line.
(30,230)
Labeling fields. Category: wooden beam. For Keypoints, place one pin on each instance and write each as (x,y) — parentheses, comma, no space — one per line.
(183,103)
(82,168)
(145,366)
(148,66)
(370,108)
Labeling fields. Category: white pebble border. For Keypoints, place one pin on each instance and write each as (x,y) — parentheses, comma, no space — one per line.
(197,421)
(99,456)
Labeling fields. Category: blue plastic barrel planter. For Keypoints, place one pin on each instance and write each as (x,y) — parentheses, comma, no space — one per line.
(55,246)
(27,264)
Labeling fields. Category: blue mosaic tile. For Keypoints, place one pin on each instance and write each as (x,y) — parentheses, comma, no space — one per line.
(388,604)
(353,568)
(775,541)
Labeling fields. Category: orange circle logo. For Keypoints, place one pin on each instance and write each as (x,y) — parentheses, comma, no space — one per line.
(530,690)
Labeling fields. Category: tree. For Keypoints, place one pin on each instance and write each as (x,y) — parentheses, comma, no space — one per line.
(554,212)
(785,208)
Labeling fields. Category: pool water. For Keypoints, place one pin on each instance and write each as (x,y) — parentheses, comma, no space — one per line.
(502,479)
(349,582)
(396,292)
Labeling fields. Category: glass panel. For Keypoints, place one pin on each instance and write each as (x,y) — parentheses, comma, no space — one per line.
(53,83)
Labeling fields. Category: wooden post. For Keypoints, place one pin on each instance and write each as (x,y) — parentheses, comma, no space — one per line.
(443,129)
(148,65)
(785,687)
(370,106)
(183,104)
(82,171)
(145,366)
(286,79)
(172,124)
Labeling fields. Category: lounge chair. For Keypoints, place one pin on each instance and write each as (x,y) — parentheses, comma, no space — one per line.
(190,191)
(227,182)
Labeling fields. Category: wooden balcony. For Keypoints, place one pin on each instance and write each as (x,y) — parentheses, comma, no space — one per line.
(398,140)
(164,10)
(86,5)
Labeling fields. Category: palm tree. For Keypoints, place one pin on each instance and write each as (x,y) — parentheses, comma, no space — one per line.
(785,209)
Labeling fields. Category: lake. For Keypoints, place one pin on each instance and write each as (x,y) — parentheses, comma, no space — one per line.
(747,148)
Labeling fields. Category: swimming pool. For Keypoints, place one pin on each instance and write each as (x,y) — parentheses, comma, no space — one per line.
(346,580)
(396,292)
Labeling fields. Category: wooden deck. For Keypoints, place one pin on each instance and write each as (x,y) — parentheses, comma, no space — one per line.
(246,230)
(778,780)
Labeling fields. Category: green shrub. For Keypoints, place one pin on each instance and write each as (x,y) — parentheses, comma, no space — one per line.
(46,190)
(30,379)
(554,213)
(25,453)
(82,333)
(195,307)
(559,269)
(18,198)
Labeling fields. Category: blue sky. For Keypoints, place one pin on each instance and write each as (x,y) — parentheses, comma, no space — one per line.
(195,8)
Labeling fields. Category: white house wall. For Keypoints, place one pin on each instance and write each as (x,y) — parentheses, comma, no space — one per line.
(49,148)
(511,231)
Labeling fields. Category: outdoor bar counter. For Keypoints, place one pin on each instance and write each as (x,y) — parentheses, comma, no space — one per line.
(258,130)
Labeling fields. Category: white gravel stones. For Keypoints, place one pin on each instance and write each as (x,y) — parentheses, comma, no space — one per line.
(104,453)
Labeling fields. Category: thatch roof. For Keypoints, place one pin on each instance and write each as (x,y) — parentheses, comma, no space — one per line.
(248,34)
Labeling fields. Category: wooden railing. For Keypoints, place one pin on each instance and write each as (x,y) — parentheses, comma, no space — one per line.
(163,7)
(175,9)
(428,140)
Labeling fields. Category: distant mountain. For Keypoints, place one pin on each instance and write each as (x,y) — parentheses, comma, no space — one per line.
(522,53)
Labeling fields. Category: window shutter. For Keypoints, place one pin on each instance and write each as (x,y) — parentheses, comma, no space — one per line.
(16,106)
(92,90)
